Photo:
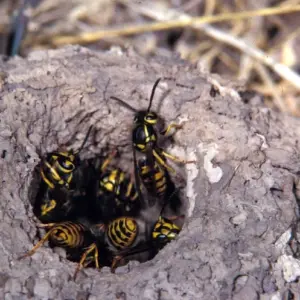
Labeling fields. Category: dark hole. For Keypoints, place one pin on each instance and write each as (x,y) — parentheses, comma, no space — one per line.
(214,91)
(3,154)
(173,37)
(272,31)
(246,96)
(83,206)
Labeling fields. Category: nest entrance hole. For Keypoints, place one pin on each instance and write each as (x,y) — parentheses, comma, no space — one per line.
(79,206)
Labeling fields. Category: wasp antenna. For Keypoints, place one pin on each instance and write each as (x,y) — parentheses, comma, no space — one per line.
(153,92)
(85,139)
(124,104)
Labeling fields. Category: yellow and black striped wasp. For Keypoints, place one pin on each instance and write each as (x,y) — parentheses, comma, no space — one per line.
(116,194)
(147,127)
(57,170)
(76,238)
(165,230)
(62,180)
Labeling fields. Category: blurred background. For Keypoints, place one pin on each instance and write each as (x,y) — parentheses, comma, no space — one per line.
(258,51)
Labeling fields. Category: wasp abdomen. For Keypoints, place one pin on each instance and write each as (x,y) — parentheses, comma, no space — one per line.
(122,232)
(68,235)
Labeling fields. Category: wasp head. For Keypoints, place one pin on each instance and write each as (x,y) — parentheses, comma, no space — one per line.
(165,231)
(66,162)
(144,117)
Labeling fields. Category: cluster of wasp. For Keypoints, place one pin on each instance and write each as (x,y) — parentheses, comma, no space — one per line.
(100,214)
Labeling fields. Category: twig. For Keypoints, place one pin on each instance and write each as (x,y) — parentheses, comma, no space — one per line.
(221,36)
(182,21)
(266,78)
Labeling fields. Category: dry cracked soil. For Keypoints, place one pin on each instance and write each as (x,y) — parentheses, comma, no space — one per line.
(239,240)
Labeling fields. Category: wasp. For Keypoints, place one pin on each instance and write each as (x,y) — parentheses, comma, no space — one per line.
(118,235)
(116,194)
(58,168)
(147,127)
(74,237)
(164,231)
(61,186)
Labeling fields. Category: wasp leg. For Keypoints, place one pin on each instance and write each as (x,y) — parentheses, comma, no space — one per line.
(174,218)
(162,162)
(177,159)
(99,228)
(48,182)
(81,264)
(48,207)
(48,225)
(166,132)
(115,262)
(129,252)
(39,244)
(108,160)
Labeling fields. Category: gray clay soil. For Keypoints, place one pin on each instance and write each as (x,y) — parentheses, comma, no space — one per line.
(240,194)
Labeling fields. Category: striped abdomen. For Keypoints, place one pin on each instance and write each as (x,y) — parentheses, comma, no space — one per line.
(122,232)
(151,177)
(68,234)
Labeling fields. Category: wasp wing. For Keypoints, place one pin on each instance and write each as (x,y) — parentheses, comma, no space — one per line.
(137,180)
(150,162)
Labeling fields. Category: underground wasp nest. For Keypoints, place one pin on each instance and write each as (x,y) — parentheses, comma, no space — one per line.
(102,215)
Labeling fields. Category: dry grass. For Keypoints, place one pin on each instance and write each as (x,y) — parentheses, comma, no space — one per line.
(249,41)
